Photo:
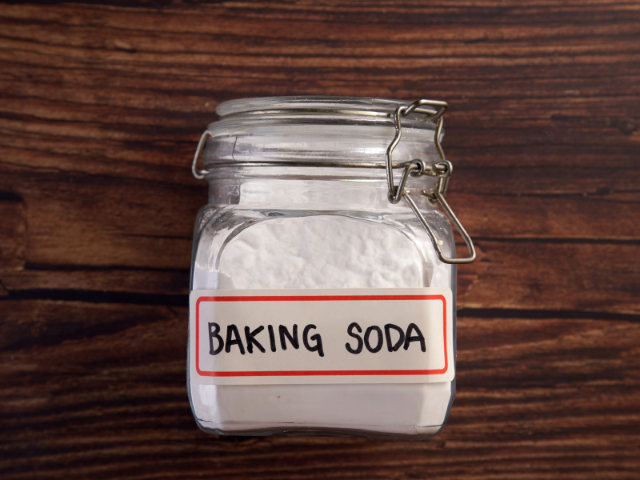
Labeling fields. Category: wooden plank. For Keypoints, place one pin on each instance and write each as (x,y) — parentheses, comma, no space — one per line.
(74,282)
(599,214)
(559,395)
(96,221)
(553,276)
(12,233)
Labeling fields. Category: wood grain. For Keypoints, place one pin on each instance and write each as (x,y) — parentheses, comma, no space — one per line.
(100,110)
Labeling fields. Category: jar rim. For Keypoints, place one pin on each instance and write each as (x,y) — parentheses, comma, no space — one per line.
(311,129)
(309,102)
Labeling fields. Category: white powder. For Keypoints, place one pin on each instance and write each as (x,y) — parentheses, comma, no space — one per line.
(322,252)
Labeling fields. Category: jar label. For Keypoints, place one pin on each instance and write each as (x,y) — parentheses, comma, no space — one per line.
(298,336)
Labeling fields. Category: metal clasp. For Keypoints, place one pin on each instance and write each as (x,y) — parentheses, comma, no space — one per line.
(416,168)
(199,173)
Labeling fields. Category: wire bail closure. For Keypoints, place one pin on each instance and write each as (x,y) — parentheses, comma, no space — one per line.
(416,168)
(442,170)
(198,172)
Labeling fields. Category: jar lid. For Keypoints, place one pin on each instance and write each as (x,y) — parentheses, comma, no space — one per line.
(316,130)
(315,109)
(386,107)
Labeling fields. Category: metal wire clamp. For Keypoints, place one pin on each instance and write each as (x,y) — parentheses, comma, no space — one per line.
(416,168)
(198,172)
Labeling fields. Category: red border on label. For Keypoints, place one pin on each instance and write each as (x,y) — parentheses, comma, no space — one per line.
(320,298)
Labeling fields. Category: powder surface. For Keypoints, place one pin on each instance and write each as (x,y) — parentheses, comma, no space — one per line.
(321,252)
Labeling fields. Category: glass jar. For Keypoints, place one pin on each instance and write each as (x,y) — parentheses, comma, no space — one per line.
(322,285)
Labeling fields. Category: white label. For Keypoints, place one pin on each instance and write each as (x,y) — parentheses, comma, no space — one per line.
(249,337)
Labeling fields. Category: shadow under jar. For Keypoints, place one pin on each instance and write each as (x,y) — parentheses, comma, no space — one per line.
(323,287)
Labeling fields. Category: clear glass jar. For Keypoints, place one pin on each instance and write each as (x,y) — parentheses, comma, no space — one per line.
(295,202)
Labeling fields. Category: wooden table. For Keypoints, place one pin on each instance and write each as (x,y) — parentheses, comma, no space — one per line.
(101,109)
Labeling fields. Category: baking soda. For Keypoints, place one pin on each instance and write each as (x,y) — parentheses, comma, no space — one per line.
(321,252)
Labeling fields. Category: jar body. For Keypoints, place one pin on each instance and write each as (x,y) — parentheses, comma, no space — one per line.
(268,228)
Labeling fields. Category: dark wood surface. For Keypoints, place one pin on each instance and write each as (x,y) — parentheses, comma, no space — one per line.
(100,111)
